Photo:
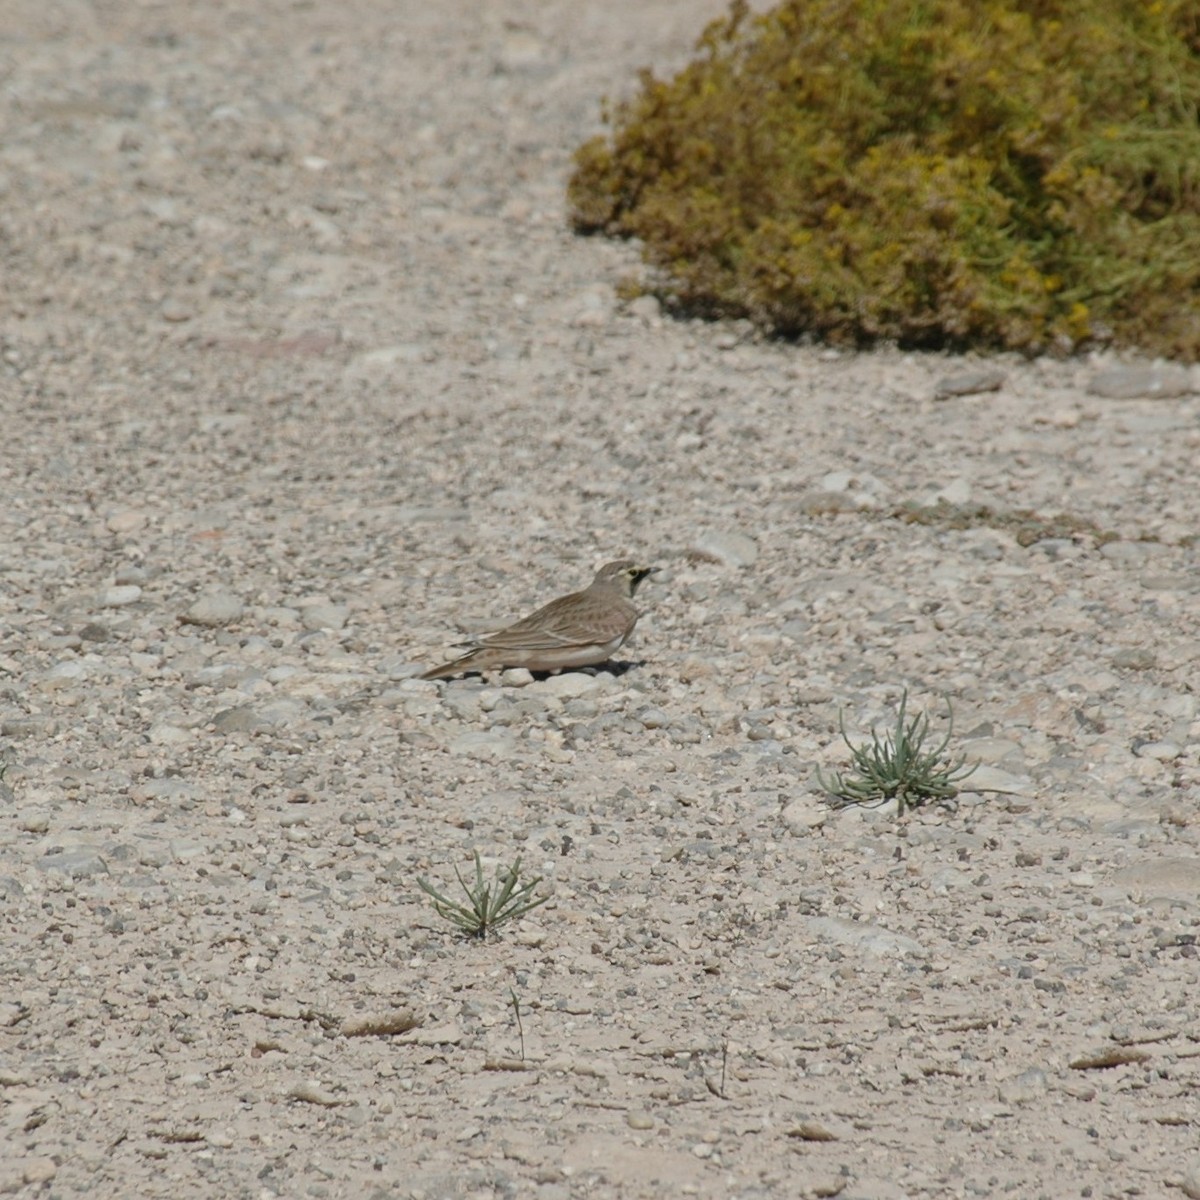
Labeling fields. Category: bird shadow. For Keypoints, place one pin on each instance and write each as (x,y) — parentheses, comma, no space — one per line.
(615,667)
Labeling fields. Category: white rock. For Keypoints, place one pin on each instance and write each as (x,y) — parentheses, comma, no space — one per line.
(566,686)
(324,616)
(1190,1183)
(484,744)
(219,608)
(727,548)
(118,597)
(805,814)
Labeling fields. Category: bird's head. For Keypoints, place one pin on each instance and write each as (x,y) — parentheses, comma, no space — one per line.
(624,574)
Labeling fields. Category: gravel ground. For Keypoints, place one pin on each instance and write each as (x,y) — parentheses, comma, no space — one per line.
(300,372)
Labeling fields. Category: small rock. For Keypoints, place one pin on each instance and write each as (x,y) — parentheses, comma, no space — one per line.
(1190,1183)
(1141,383)
(516,677)
(175,309)
(219,608)
(1163,751)
(566,686)
(483,744)
(810,1131)
(39,1170)
(728,549)
(63,675)
(647,308)
(388,356)
(653,718)
(969,383)
(1025,1088)
(324,616)
(957,492)
(1134,553)
(118,597)
(242,719)
(398,1020)
(81,862)
(312,1093)
(990,750)
(128,521)
(1135,659)
(164,734)
(804,815)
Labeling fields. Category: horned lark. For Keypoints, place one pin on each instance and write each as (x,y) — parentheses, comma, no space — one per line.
(578,630)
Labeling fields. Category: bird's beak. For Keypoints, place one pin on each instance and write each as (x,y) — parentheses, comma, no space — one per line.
(642,572)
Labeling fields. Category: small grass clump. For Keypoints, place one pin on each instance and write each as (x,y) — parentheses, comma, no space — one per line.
(899,766)
(1008,173)
(490,903)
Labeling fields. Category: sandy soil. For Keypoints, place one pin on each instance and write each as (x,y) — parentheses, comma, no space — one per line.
(301,371)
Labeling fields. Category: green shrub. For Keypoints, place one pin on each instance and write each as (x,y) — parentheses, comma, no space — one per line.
(899,766)
(1014,173)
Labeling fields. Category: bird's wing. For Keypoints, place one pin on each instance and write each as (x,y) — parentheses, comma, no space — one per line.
(573,620)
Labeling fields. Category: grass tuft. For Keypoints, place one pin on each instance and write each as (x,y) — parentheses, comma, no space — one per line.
(898,765)
(490,903)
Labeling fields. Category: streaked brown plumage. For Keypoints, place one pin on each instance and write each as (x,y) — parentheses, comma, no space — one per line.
(578,630)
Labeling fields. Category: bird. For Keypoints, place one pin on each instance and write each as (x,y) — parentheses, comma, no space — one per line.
(579,630)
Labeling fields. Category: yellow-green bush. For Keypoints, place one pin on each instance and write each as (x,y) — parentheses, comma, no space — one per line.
(1020,173)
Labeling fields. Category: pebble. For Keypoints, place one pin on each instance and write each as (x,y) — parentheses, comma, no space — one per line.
(80,862)
(1140,383)
(128,521)
(38,1170)
(1163,751)
(1025,1088)
(176,309)
(1134,553)
(653,718)
(1190,1183)
(567,686)
(213,610)
(646,308)
(63,675)
(483,744)
(1136,658)
(727,548)
(324,616)
(969,383)
(241,719)
(120,596)
(805,814)
(162,733)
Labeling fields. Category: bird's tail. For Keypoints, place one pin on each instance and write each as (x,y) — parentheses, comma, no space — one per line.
(456,666)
